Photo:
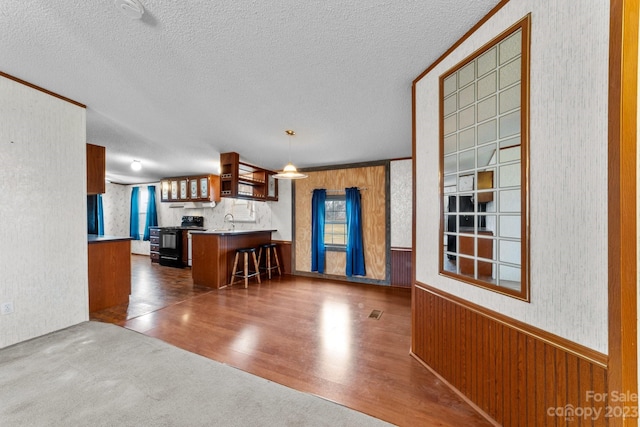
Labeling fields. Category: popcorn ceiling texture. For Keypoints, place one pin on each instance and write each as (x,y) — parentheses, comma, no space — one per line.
(194,78)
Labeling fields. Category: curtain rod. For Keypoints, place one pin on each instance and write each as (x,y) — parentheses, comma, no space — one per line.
(339,190)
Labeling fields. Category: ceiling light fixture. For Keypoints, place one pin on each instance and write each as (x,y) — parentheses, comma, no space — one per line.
(136,165)
(290,171)
(132,8)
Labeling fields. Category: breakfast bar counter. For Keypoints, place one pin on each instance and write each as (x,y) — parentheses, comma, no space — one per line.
(213,253)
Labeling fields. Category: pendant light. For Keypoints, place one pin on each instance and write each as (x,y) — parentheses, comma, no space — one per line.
(290,171)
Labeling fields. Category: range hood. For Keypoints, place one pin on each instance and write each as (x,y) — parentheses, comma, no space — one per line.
(193,205)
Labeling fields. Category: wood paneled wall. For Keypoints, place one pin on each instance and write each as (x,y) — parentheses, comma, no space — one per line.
(374,217)
(401,267)
(109,277)
(284,255)
(518,375)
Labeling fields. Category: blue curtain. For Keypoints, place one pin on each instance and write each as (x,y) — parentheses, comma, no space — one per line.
(95,215)
(134,229)
(92,214)
(152,214)
(317,230)
(355,248)
(100,216)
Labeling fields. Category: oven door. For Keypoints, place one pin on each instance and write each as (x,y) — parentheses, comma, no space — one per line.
(171,247)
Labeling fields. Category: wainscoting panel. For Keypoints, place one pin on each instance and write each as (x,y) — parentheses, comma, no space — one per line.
(518,375)
(401,267)
(284,255)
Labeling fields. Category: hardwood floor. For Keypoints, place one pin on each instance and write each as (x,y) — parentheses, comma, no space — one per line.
(313,335)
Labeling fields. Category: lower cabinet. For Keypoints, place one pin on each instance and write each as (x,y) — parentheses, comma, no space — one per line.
(185,248)
(154,246)
(109,273)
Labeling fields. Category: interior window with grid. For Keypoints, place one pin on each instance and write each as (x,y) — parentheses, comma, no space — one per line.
(335,221)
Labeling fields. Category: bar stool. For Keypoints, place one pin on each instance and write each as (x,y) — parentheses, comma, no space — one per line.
(269,248)
(245,273)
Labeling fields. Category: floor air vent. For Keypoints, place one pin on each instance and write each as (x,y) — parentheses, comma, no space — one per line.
(375,314)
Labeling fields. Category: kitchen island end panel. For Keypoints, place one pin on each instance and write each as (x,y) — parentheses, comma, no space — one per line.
(213,254)
(109,271)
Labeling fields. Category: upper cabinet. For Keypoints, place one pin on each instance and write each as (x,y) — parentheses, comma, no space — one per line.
(96,161)
(246,181)
(200,188)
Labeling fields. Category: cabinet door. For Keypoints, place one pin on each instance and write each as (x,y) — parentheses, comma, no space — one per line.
(174,190)
(204,187)
(272,187)
(165,191)
(96,156)
(193,189)
(183,189)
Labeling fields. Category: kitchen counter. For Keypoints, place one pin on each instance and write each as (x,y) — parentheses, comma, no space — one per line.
(94,238)
(213,253)
(230,231)
(109,271)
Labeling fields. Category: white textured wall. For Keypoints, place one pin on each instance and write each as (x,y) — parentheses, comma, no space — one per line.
(281,218)
(115,205)
(568,170)
(401,209)
(43,257)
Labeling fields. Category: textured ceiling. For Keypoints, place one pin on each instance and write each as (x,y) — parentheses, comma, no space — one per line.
(193,79)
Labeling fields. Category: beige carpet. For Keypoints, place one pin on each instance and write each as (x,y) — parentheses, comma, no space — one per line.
(96,374)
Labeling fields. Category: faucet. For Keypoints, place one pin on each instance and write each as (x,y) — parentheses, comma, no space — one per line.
(233,225)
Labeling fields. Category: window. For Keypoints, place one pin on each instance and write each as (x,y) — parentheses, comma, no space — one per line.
(335,221)
(143,203)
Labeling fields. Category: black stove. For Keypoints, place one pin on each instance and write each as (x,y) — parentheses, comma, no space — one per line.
(171,241)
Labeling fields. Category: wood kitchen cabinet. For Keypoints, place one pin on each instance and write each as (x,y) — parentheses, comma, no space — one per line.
(204,188)
(109,265)
(169,190)
(246,181)
(200,188)
(96,169)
